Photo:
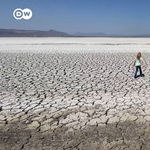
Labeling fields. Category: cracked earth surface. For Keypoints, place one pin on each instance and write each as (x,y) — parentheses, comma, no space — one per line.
(76,101)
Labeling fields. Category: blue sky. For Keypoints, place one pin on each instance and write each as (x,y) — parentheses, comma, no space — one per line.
(87,16)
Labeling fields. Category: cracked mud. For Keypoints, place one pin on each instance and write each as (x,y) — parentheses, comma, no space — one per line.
(60,101)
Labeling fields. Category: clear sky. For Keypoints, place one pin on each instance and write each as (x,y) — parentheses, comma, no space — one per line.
(87,16)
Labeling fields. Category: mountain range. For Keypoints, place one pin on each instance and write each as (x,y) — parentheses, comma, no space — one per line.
(32,33)
(54,33)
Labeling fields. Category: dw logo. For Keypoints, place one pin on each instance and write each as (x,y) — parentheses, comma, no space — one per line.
(22,14)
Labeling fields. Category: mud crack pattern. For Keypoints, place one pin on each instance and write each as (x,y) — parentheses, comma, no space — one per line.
(76,101)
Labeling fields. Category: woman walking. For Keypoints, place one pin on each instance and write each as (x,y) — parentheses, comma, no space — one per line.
(137,63)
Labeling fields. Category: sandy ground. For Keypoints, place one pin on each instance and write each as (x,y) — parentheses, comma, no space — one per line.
(81,100)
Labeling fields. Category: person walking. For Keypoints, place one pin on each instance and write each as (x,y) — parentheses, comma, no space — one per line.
(138,63)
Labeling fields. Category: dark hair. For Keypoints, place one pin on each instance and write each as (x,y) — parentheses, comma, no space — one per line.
(138,55)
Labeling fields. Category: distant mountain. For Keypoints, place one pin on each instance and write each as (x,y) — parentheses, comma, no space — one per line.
(90,34)
(32,33)
(117,35)
(100,34)
(141,35)
(54,33)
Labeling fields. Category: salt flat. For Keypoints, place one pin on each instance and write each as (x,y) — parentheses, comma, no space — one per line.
(73,93)
(70,45)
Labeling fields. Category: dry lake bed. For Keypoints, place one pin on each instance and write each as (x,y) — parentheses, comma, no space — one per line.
(74,94)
